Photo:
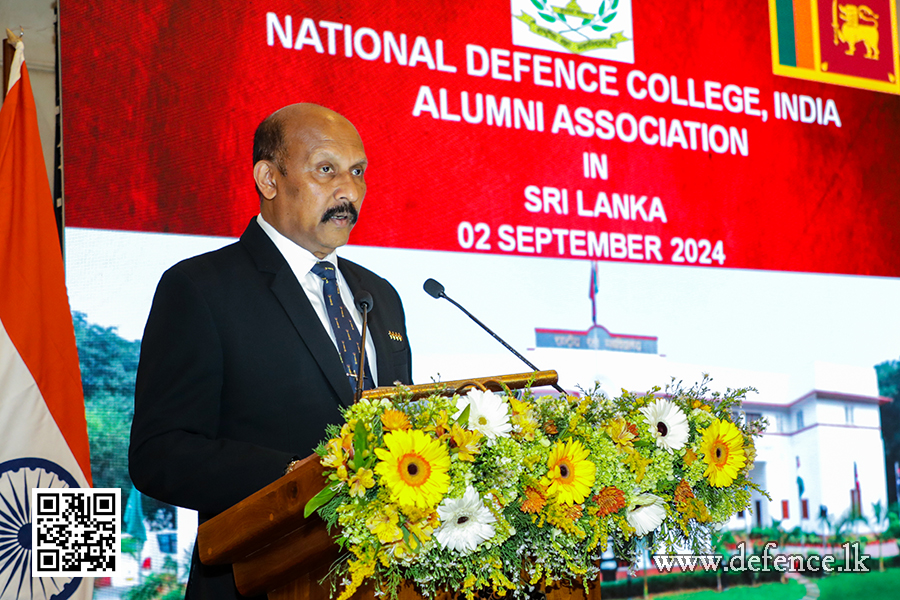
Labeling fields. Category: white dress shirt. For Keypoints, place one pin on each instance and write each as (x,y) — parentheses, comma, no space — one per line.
(301,262)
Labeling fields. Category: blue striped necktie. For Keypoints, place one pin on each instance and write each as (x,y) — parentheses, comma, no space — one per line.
(345,332)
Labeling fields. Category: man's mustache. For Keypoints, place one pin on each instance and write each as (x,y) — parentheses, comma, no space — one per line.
(342,210)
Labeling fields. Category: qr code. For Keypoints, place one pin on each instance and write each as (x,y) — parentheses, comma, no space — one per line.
(75,532)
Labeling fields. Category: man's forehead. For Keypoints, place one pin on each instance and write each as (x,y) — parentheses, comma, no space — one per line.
(330,137)
(335,149)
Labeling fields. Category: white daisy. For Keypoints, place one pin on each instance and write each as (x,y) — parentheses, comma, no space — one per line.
(668,424)
(645,513)
(487,413)
(465,522)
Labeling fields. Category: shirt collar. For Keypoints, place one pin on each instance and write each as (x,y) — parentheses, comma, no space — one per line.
(299,258)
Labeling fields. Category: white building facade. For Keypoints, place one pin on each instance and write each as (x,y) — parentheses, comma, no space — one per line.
(821,455)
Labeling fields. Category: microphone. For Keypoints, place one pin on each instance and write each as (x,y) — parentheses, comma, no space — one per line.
(436,290)
(364,304)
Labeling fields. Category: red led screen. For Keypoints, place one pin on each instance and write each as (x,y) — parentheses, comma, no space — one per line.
(652,132)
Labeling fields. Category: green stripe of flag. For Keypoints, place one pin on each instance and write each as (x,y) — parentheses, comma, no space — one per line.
(787,50)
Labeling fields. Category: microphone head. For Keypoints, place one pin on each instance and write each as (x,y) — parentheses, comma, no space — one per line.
(434,289)
(364,301)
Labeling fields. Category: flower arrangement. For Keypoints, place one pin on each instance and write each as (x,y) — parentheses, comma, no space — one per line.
(498,493)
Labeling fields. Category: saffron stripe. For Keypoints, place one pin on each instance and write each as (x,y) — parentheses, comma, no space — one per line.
(803,33)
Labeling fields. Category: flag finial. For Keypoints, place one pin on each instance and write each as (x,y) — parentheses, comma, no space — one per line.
(12,37)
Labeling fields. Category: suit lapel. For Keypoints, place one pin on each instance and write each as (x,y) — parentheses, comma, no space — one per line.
(296,305)
(376,325)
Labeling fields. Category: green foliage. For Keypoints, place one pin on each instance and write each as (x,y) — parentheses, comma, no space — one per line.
(108,361)
(775,533)
(893,521)
(108,370)
(798,536)
(843,528)
(109,432)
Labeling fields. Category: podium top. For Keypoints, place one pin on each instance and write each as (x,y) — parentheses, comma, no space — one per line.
(514,381)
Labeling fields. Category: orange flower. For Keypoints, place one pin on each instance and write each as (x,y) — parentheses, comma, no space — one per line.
(573,512)
(550,428)
(534,501)
(689,457)
(393,420)
(609,500)
(693,508)
(683,492)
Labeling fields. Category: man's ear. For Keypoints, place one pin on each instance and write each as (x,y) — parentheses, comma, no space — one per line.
(264,175)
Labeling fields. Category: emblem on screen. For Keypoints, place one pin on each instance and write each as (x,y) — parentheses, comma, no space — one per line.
(599,29)
(844,44)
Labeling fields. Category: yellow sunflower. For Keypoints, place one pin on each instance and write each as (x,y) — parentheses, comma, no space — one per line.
(570,474)
(413,468)
(723,452)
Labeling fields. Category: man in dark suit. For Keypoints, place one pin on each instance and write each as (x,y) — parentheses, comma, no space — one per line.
(240,371)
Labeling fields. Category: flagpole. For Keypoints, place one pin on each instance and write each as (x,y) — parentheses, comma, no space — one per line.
(59,203)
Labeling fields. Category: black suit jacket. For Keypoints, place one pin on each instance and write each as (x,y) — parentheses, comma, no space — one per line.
(237,376)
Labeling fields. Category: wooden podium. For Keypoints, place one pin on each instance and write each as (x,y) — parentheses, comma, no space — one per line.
(274,550)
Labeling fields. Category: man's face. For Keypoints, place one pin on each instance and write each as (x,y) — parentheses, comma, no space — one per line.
(317,201)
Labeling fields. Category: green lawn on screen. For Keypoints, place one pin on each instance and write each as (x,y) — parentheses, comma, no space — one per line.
(872,585)
(767,591)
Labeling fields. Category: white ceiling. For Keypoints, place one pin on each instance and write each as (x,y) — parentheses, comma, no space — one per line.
(36,18)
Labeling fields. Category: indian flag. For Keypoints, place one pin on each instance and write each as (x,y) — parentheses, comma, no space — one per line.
(43,433)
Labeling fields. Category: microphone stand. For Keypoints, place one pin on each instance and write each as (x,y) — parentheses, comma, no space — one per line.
(364,304)
(436,290)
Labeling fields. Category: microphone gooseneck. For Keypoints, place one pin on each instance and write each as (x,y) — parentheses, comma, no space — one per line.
(364,303)
(436,290)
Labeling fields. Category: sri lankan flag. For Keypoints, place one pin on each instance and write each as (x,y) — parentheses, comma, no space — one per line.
(844,44)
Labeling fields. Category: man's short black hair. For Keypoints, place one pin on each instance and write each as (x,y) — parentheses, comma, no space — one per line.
(268,144)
